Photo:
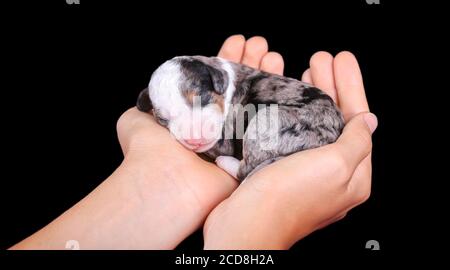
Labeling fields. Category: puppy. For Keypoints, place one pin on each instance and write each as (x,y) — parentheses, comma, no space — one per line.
(243,118)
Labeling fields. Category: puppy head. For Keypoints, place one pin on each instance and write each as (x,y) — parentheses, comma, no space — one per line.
(189,95)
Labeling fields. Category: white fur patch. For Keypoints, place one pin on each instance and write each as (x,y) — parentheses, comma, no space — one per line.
(164,91)
(229,92)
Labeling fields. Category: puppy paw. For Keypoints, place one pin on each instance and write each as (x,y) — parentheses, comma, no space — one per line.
(229,164)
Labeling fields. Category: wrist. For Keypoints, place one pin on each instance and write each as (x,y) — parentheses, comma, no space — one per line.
(260,215)
(168,211)
(185,190)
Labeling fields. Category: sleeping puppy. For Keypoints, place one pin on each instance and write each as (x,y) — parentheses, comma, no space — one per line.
(243,118)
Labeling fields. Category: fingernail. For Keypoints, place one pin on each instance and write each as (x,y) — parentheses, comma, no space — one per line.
(371,121)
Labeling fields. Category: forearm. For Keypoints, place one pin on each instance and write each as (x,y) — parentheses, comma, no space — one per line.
(128,205)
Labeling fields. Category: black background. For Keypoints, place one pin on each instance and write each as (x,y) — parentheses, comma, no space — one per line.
(71,70)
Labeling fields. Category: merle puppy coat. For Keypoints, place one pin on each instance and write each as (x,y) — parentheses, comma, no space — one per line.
(306,117)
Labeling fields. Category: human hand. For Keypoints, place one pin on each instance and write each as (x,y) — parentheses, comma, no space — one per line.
(306,191)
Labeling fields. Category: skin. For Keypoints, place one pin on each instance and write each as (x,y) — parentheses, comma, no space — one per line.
(149,203)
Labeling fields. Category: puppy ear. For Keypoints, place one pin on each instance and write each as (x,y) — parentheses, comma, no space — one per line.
(218,79)
(144,104)
(207,76)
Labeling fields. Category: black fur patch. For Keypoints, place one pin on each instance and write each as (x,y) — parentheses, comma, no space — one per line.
(203,77)
(292,130)
(144,104)
(311,94)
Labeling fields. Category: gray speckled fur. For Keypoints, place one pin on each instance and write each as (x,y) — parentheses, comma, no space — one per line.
(308,118)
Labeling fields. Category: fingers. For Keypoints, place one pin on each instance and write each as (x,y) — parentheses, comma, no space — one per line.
(255,49)
(355,142)
(233,48)
(352,101)
(272,62)
(321,70)
(306,76)
(253,53)
(349,85)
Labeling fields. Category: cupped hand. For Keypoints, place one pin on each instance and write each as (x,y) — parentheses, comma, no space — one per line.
(306,191)
(167,174)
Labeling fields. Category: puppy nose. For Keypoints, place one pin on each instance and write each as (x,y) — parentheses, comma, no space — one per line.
(196,141)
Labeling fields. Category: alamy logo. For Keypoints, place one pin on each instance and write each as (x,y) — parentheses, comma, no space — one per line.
(370,2)
(373,245)
(73,245)
(73,2)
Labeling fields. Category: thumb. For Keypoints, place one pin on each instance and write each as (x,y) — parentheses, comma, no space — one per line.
(355,142)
